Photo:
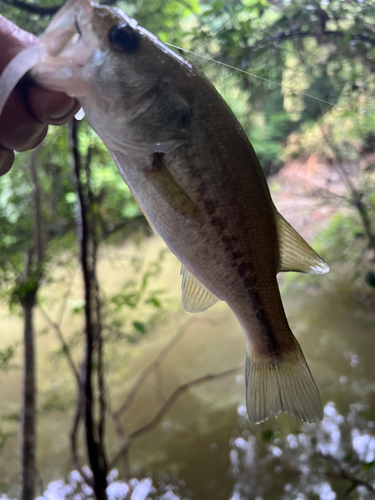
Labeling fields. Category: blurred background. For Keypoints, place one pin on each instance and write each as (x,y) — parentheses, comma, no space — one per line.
(169,416)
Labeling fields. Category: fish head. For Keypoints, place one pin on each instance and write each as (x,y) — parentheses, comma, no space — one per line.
(96,50)
(112,65)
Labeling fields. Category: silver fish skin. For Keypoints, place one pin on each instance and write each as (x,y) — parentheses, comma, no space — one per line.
(197,179)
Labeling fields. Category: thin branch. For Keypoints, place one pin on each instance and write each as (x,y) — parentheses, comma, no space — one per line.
(356,194)
(297,33)
(124,452)
(65,346)
(151,367)
(120,432)
(169,403)
(78,417)
(343,474)
(39,481)
(121,225)
(136,387)
(176,394)
(159,383)
(34,8)
(65,298)
(124,448)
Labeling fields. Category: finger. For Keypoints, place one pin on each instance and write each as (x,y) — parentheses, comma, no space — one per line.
(13,39)
(6,160)
(19,129)
(55,108)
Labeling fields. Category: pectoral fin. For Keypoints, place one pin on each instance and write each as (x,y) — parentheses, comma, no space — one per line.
(168,188)
(195,297)
(295,253)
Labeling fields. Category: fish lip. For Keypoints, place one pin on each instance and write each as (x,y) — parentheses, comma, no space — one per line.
(70,21)
(69,43)
(76,20)
(66,15)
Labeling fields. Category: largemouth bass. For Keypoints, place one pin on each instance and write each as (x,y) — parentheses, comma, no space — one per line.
(198,181)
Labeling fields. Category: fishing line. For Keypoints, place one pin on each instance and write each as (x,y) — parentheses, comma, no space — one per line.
(300,92)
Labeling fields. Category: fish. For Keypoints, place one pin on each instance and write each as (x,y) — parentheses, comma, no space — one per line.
(197,179)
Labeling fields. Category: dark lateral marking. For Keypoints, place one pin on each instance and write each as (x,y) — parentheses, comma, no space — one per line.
(260,312)
(219,223)
(228,244)
(264,320)
(210,206)
(237,255)
(202,189)
(242,268)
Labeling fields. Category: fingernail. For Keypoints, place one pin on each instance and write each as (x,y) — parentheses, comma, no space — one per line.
(6,160)
(64,114)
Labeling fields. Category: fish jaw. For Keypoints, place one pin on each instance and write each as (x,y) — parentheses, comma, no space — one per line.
(76,49)
(64,25)
(71,48)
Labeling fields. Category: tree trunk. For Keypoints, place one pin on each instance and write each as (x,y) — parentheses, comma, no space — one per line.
(28,428)
(93,352)
(28,290)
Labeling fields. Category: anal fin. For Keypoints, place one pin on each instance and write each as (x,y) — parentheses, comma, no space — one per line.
(195,297)
(295,253)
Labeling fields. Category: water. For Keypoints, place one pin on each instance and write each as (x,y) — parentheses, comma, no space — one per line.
(204,448)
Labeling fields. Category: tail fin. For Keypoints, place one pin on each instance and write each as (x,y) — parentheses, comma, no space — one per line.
(282,384)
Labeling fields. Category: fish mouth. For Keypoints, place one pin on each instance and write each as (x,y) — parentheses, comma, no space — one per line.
(69,23)
(69,42)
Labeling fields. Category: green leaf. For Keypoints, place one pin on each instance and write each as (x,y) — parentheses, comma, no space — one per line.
(267,435)
(11,417)
(55,403)
(154,301)
(6,356)
(139,326)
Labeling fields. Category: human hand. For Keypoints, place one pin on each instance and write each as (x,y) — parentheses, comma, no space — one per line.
(30,108)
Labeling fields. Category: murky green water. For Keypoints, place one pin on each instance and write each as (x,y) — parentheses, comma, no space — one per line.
(204,448)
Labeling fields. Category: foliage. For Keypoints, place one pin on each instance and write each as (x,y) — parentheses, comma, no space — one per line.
(7,357)
(136,294)
(295,52)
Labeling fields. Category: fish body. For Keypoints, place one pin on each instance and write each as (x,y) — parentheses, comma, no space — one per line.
(197,179)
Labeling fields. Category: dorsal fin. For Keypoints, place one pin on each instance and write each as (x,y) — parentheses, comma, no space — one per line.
(295,253)
(195,297)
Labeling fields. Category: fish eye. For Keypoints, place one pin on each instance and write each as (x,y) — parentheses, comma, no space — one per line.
(123,38)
